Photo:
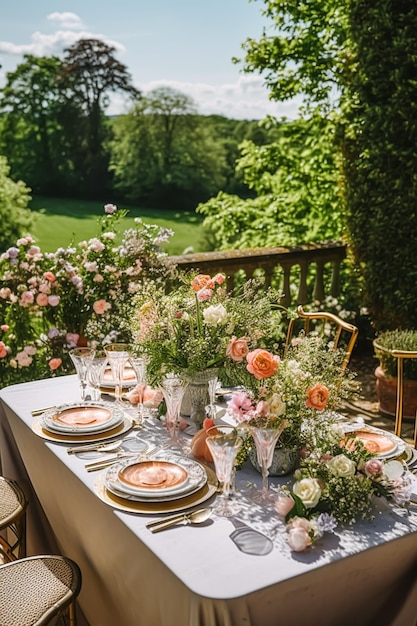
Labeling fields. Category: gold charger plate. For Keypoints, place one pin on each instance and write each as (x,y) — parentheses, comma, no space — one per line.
(120,429)
(155,508)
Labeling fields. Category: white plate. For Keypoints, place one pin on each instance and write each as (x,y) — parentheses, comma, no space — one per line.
(129,378)
(94,417)
(196,478)
(81,437)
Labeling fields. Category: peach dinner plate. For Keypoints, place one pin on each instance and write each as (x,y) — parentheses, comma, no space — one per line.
(153,475)
(83,416)
(376,443)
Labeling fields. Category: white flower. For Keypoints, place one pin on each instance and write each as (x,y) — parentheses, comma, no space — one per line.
(276,405)
(309,492)
(215,315)
(341,466)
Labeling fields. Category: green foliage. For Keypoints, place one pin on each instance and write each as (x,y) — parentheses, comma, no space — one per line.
(295,181)
(396,340)
(15,217)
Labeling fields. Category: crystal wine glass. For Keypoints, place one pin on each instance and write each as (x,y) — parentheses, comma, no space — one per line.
(265,440)
(173,388)
(95,373)
(118,355)
(82,358)
(139,365)
(224,443)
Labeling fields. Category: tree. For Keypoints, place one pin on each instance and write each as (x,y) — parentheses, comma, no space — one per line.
(15,216)
(162,154)
(355,62)
(89,73)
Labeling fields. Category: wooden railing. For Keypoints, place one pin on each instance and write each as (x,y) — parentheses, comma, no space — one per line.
(304,274)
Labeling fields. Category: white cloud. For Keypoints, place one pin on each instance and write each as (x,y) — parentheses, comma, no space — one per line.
(67,20)
(247,98)
(46,45)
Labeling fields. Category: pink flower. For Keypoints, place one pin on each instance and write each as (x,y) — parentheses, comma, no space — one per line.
(54,364)
(41,299)
(284,505)
(373,467)
(262,364)
(49,276)
(240,405)
(298,539)
(262,408)
(101,306)
(31,350)
(237,348)
(4,328)
(23,359)
(317,397)
(96,245)
(110,208)
(219,279)
(26,298)
(5,292)
(3,350)
(204,294)
(72,339)
(53,300)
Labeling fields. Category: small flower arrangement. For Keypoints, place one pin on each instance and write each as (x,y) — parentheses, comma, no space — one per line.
(51,302)
(335,485)
(191,328)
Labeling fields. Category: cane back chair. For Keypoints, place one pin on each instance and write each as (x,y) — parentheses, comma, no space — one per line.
(13,506)
(326,323)
(37,589)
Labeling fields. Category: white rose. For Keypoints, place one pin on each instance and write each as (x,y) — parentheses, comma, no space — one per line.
(215,315)
(340,465)
(276,405)
(308,490)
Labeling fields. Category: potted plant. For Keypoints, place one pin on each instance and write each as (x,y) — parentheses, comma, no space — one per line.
(386,372)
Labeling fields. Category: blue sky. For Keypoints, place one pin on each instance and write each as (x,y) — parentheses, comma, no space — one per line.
(185,44)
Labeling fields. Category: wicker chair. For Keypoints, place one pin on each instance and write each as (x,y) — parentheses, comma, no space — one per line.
(337,328)
(13,505)
(36,589)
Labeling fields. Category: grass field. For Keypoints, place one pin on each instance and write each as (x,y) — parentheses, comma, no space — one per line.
(59,222)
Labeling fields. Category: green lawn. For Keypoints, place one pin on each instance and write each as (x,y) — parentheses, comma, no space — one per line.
(59,222)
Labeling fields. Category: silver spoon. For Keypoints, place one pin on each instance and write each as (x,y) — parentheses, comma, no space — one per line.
(195,517)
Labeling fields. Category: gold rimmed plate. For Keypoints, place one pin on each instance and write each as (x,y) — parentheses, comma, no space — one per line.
(82,417)
(155,508)
(125,426)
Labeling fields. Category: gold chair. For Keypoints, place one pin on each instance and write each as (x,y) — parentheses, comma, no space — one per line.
(36,589)
(323,322)
(13,505)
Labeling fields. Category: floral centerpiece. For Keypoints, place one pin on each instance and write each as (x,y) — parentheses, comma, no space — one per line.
(189,329)
(335,484)
(51,302)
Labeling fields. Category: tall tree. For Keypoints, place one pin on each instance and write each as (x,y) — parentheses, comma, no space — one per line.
(15,217)
(90,72)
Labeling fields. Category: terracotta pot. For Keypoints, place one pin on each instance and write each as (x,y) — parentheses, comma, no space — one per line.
(386,391)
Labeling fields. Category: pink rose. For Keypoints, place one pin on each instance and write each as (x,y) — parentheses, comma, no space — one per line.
(23,359)
(53,300)
(284,505)
(373,467)
(72,339)
(54,364)
(240,405)
(238,348)
(4,328)
(110,208)
(26,298)
(41,299)
(317,397)
(101,306)
(262,364)
(49,276)
(204,294)
(5,292)
(3,350)
(219,279)
(31,350)
(298,539)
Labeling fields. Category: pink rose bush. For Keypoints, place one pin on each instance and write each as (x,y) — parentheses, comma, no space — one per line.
(51,302)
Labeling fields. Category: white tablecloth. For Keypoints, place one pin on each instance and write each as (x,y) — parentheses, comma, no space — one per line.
(196,576)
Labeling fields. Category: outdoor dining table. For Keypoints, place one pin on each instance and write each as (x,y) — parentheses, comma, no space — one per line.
(196,575)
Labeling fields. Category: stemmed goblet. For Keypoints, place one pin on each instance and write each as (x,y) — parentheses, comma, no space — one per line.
(139,365)
(265,440)
(173,388)
(82,358)
(118,355)
(224,443)
(95,373)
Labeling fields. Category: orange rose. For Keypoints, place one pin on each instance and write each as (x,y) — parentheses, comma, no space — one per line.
(54,364)
(262,364)
(317,397)
(200,281)
(238,348)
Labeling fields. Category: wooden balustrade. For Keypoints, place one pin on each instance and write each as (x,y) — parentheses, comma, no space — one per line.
(304,274)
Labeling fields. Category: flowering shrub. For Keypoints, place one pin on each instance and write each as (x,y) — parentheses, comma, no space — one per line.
(51,302)
(192,328)
(335,484)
